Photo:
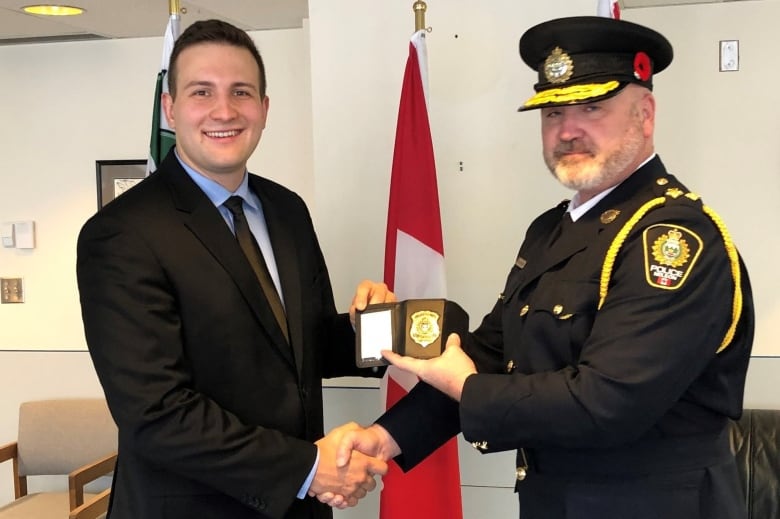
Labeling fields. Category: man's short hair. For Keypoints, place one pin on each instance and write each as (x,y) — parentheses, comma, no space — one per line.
(213,31)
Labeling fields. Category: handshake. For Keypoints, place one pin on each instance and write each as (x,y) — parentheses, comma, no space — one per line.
(350,457)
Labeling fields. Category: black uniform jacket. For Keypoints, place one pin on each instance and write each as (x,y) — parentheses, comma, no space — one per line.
(612,360)
(216,411)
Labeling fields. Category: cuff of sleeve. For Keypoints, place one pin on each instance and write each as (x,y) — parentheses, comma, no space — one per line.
(307,484)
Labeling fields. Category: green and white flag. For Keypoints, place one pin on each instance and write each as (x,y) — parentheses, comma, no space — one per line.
(163,137)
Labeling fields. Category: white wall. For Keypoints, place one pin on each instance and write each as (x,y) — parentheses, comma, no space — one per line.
(334,89)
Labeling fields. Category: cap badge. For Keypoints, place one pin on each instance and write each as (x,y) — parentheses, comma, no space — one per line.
(642,66)
(558,67)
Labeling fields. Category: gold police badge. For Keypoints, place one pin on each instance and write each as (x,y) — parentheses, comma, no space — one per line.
(425,327)
(670,254)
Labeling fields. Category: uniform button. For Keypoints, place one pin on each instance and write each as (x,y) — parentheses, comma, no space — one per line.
(510,366)
(524,310)
(609,215)
(662,181)
(520,473)
(557,309)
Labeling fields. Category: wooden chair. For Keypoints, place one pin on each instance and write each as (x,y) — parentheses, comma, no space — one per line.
(73,437)
(97,506)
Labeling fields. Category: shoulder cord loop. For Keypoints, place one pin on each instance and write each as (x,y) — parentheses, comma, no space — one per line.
(731,251)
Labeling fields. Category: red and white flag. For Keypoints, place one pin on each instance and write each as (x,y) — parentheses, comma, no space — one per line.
(414,268)
(609,9)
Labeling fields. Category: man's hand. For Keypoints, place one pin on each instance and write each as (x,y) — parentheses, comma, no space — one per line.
(373,441)
(344,485)
(369,292)
(447,373)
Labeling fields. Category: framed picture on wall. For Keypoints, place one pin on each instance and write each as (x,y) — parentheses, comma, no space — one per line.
(114,177)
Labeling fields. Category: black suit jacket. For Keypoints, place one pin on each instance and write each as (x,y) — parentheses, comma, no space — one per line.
(216,411)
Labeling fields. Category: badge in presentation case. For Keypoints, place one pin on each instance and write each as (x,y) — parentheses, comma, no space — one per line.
(416,327)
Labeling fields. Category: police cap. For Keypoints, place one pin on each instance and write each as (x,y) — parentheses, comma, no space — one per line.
(588,58)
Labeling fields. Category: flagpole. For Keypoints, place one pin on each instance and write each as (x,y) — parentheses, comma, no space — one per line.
(419,8)
(174,9)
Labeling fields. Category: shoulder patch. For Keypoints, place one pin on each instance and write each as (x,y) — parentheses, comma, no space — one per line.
(671,252)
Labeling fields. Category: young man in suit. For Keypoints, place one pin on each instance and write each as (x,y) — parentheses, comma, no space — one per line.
(618,349)
(212,375)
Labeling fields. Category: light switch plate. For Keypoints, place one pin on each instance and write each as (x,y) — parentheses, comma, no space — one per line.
(7,234)
(729,55)
(24,234)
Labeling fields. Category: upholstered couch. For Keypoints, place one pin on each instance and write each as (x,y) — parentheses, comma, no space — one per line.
(755,440)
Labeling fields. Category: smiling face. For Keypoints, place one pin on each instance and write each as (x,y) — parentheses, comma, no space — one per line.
(592,147)
(217,110)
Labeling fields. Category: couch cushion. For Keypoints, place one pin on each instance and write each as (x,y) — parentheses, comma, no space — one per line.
(755,440)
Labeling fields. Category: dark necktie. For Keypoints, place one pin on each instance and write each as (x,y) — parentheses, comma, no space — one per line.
(252,252)
(562,228)
(566,222)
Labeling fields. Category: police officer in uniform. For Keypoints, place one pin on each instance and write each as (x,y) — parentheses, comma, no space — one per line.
(617,352)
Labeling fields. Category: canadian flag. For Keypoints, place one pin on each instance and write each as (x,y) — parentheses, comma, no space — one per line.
(414,268)
(609,9)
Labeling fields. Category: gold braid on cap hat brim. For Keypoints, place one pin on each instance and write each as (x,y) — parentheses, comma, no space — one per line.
(572,93)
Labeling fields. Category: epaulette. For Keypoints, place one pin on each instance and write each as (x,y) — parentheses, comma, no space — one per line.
(674,195)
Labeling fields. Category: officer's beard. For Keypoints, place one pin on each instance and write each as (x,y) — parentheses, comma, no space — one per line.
(593,170)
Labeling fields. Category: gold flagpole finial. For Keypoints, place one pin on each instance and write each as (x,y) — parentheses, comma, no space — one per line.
(419,8)
(173,7)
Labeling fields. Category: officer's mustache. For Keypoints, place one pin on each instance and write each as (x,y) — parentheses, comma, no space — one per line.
(565,148)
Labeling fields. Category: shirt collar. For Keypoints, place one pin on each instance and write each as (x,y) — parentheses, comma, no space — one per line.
(214,190)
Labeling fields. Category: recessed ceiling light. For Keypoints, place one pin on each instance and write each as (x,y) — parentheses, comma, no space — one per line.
(52,10)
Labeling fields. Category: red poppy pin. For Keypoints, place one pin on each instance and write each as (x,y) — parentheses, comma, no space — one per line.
(642,66)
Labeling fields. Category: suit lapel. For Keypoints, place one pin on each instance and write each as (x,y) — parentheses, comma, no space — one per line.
(203,219)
